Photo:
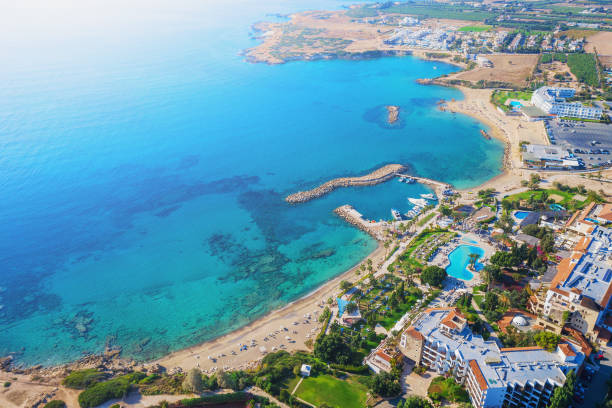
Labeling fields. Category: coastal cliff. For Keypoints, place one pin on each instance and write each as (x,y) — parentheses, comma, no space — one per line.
(378,176)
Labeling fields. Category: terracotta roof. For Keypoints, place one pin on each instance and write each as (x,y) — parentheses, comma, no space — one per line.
(414,333)
(576,290)
(564,268)
(449,320)
(572,219)
(567,350)
(559,291)
(606,298)
(583,244)
(437,309)
(606,212)
(508,349)
(603,333)
(384,356)
(578,336)
(482,383)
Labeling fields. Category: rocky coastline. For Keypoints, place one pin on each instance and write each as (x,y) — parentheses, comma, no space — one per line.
(378,176)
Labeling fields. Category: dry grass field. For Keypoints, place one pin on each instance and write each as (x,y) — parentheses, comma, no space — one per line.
(602,41)
(513,68)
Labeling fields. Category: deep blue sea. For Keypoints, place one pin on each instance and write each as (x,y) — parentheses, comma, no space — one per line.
(143,166)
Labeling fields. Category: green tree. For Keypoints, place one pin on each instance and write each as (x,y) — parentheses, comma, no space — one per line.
(345,285)
(385,385)
(490,301)
(446,211)
(55,404)
(415,402)
(433,275)
(547,340)
(193,381)
(332,349)
(562,396)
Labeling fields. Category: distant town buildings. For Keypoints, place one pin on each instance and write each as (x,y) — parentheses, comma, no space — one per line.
(553,101)
(511,377)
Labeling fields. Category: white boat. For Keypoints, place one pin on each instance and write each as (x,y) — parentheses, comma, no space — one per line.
(409,180)
(396,214)
(428,196)
(402,179)
(420,202)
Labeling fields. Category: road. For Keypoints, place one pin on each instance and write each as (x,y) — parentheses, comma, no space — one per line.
(596,390)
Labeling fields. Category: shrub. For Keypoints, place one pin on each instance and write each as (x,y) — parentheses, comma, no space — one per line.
(82,379)
(115,406)
(216,399)
(56,404)
(101,392)
(7,384)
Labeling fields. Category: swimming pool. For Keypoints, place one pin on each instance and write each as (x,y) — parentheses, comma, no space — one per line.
(460,259)
(557,207)
(516,105)
(341,306)
(521,215)
(469,240)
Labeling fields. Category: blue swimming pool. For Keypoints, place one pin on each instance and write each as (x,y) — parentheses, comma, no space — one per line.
(341,306)
(557,207)
(521,214)
(469,240)
(460,259)
(516,104)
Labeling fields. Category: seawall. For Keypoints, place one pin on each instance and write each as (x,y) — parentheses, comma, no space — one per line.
(378,176)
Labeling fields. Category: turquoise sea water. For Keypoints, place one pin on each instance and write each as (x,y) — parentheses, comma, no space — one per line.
(460,259)
(143,166)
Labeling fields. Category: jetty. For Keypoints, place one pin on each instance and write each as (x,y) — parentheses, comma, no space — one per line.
(393,113)
(378,176)
(354,217)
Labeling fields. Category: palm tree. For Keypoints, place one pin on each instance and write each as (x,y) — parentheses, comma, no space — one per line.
(473,259)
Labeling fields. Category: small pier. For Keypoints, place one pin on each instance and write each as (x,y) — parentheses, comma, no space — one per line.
(354,217)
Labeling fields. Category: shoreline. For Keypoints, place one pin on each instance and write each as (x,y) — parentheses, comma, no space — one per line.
(309,302)
(260,328)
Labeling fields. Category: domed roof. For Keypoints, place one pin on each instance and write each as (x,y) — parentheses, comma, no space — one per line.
(519,321)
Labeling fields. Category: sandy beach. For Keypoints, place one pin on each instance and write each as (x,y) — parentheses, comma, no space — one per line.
(268,327)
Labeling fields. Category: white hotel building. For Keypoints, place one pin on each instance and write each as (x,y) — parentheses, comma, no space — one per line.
(494,377)
(553,101)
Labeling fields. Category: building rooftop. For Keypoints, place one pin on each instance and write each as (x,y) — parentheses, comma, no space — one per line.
(589,270)
(498,367)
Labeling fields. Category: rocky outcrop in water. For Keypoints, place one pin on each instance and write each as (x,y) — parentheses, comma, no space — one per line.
(393,113)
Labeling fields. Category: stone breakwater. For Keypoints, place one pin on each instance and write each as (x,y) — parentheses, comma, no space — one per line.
(378,176)
(352,216)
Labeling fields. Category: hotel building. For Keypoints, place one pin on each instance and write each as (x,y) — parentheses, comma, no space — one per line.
(582,287)
(553,101)
(494,377)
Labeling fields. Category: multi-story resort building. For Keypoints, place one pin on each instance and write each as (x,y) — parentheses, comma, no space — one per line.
(553,101)
(579,294)
(494,377)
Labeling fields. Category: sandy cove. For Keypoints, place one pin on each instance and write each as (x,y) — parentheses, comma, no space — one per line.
(197,356)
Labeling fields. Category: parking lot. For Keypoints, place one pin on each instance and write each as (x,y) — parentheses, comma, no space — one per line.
(590,143)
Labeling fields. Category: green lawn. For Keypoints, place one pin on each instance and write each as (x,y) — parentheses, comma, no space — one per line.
(478,299)
(333,391)
(567,197)
(426,219)
(477,29)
